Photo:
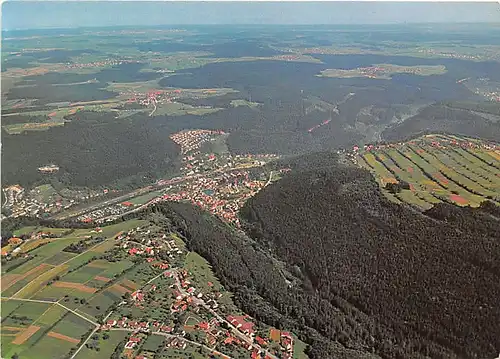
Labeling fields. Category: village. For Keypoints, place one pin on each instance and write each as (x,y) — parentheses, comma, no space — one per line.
(199,311)
(219,183)
(165,299)
(43,201)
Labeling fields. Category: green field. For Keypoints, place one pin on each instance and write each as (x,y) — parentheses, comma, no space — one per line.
(438,168)
(107,347)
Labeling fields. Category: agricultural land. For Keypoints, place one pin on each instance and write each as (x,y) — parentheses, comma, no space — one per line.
(436,168)
(129,289)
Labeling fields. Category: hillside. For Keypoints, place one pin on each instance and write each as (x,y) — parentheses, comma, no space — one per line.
(422,285)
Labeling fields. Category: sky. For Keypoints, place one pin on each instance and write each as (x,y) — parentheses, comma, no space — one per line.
(18,14)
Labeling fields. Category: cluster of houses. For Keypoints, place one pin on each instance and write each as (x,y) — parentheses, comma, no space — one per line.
(139,241)
(111,210)
(191,141)
(222,196)
(33,202)
(103,63)
(142,327)
(14,243)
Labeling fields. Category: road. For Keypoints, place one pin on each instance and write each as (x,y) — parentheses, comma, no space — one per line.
(84,342)
(141,191)
(176,336)
(52,302)
(201,302)
(269,180)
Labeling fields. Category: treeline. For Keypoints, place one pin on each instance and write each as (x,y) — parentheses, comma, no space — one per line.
(260,287)
(9,225)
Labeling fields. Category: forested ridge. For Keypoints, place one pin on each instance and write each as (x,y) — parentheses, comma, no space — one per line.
(91,150)
(430,279)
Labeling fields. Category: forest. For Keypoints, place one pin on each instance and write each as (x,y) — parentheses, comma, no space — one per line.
(449,118)
(408,272)
(92,149)
(418,270)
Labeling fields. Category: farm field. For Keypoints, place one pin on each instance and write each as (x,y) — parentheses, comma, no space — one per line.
(436,168)
(52,310)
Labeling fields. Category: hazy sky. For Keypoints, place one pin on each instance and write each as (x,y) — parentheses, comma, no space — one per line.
(18,14)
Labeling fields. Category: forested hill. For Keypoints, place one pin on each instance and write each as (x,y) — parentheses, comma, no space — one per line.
(421,284)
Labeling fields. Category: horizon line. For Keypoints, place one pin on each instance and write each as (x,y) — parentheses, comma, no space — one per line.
(258,24)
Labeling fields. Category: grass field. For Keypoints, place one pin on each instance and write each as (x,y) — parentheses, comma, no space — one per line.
(298,349)
(33,321)
(145,198)
(107,346)
(50,261)
(201,273)
(438,168)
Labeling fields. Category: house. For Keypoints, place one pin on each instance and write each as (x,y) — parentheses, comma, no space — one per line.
(260,341)
(287,341)
(14,241)
(135,339)
(138,296)
(275,335)
(166,329)
(133,251)
(204,326)
(111,322)
(211,340)
(240,323)
(191,290)
(129,345)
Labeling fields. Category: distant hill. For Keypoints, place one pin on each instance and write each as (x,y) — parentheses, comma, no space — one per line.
(479,120)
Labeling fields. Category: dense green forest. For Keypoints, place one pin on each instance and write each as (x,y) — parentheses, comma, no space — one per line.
(452,118)
(92,149)
(429,280)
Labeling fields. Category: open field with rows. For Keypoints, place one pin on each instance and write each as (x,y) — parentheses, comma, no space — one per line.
(437,168)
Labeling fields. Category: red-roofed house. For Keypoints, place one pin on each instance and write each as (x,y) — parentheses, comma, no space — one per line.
(134,339)
(138,296)
(240,323)
(203,325)
(260,341)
